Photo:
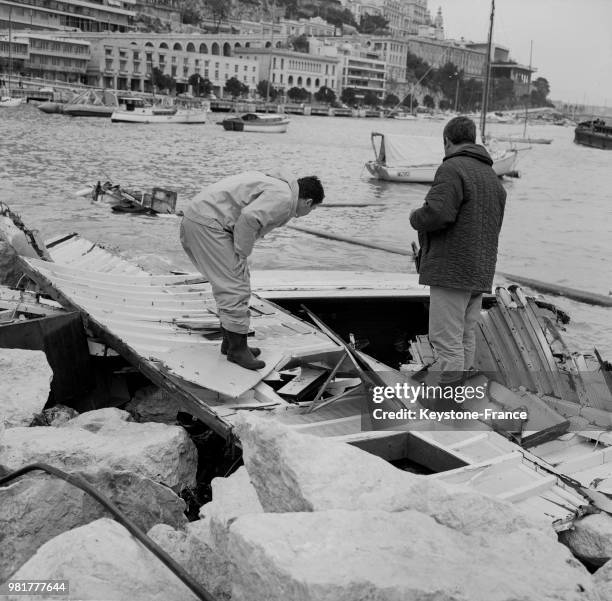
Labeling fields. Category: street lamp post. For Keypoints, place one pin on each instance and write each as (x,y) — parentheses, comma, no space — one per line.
(456,91)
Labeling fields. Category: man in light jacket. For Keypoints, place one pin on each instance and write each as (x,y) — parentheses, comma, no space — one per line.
(458,228)
(218,231)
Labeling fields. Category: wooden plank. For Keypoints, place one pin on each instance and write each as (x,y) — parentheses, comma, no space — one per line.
(301,386)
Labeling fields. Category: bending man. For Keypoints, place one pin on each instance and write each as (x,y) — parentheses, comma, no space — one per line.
(458,228)
(218,231)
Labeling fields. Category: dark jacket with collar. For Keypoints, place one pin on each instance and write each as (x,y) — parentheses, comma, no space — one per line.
(459,223)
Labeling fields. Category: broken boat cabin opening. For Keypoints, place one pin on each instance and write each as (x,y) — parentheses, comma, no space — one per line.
(163,329)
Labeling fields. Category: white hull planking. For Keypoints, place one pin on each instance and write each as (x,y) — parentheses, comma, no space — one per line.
(136,116)
(279,128)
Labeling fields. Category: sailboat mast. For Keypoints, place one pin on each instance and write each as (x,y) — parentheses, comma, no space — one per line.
(485,91)
(10,73)
(528,101)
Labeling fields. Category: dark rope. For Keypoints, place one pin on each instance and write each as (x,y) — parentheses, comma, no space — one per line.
(134,530)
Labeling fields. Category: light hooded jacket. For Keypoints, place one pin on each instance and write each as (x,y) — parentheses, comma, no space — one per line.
(248,205)
(459,223)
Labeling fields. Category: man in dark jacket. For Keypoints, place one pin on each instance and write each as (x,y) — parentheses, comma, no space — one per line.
(458,227)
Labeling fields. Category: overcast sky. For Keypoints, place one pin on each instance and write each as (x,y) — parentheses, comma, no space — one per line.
(572,40)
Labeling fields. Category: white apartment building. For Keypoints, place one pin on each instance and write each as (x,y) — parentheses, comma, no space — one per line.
(126,61)
(286,69)
(47,56)
(362,70)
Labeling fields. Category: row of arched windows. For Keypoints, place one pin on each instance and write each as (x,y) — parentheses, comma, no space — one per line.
(215,48)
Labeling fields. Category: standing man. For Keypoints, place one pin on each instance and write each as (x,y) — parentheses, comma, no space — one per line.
(458,227)
(218,231)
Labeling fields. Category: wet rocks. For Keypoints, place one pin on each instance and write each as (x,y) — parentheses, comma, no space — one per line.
(603,581)
(103,561)
(193,549)
(343,555)
(591,538)
(105,439)
(26,381)
(37,508)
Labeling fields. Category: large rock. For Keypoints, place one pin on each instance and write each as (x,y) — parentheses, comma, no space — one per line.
(104,438)
(102,560)
(231,497)
(375,555)
(26,381)
(152,404)
(591,538)
(603,581)
(192,549)
(35,509)
(296,472)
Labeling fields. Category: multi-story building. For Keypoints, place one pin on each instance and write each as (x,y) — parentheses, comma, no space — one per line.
(394,51)
(362,69)
(439,52)
(47,56)
(312,27)
(286,69)
(126,61)
(403,16)
(85,15)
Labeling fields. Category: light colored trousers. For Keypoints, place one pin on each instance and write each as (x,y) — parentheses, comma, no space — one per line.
(453,315)
(211,249)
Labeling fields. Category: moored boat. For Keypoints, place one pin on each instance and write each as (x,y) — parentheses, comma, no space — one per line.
(8,101)
(595,133)
(136,110)
(268,123)
(93,103)
(415,159)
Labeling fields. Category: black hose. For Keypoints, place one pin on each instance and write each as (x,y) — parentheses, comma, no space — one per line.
(134,530)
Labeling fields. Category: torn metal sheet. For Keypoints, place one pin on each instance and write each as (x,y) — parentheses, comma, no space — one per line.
(144,312)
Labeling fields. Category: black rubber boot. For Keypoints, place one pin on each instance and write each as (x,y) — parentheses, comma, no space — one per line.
(254,350)
(238,352)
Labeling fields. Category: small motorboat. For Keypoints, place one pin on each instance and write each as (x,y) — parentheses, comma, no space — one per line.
(273,123)
(8,101)
(136,110)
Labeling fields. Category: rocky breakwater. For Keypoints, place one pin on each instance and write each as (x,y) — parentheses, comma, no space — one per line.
(310,519)
(140,467)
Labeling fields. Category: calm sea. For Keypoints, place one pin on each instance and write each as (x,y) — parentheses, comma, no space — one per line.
(558,224)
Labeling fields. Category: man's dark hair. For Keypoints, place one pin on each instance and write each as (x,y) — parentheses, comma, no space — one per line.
(460,130)
(311,187)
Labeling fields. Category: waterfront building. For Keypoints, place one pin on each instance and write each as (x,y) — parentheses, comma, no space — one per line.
(126,61)
(47,56)
(362,70)
(394,51)
(84,15)
(439,52)
(286,69)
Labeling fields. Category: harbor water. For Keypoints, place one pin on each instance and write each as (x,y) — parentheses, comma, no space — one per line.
(557,226)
